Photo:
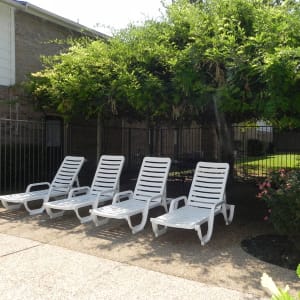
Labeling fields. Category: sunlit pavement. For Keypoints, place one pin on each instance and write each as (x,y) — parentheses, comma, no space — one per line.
(33,270)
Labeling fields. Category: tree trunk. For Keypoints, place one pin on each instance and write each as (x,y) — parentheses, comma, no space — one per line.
(225,139)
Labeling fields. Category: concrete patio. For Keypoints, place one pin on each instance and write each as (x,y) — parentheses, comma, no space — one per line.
(65,259)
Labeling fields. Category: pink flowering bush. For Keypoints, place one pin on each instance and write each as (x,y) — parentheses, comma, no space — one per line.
(281,192)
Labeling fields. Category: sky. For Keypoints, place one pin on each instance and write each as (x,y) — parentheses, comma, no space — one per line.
(104,15)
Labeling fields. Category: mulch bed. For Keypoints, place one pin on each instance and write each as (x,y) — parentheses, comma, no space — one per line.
(274,249)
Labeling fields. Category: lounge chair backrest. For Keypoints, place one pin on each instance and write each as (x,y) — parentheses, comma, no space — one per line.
(108,173)
(152,178)
(67,173)
(208,184)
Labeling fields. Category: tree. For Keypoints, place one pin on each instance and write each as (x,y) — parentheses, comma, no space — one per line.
(244,56)
(211,61)
(247,54)
(76,82)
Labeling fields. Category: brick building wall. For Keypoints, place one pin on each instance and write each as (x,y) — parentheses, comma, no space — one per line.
(33,39)
(6,100)
(4,92)
(33,36)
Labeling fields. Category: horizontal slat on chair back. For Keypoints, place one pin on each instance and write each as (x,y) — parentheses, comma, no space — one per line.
(67,173)
(152,178)
(108,173)
(208,184)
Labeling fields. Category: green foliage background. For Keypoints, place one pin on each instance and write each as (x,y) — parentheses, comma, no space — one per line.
(245,54)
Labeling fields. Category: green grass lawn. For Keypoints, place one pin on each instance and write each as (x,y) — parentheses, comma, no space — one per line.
(261,165)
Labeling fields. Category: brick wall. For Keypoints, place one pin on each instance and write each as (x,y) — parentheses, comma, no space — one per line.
(33,36)
(3,92)
(7,107)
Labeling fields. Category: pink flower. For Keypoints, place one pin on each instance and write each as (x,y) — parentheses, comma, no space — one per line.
(266,218)
(262,193)
(282,173)
(265,184)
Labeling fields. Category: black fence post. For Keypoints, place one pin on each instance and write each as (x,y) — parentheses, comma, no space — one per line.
(129,148)
(151,138)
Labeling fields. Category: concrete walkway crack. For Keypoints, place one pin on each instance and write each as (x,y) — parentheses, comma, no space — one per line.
(18,251)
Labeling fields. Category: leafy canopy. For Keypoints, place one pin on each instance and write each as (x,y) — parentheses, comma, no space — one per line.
(244,53)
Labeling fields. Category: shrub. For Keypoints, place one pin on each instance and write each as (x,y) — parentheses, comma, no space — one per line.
(281,192)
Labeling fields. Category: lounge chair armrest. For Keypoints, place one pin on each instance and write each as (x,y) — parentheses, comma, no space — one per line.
(98,196)
(83,189)
(37,184)
(153,199)
(107,191)
(125,194)
(175,202)
(103,193)
(58,186)
(217,204)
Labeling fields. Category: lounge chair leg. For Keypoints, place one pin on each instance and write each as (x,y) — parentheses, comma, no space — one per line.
(164,205)
(228,217)
(98,222)
(33,212)
(83,219)
(231,212)
(158,231)
(52,214)
(139,227)
(210,226)
(10,206)
(224,212)
(203,239)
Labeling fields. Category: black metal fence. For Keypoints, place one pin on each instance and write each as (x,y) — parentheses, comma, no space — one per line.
(259,149)
(25,155)
(32,151)
(184,145)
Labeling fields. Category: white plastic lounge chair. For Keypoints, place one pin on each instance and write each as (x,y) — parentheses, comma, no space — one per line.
(150,192)
(206,199)
(60,186)
(104,186)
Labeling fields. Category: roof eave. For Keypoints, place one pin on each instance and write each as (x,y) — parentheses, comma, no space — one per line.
(51,17)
